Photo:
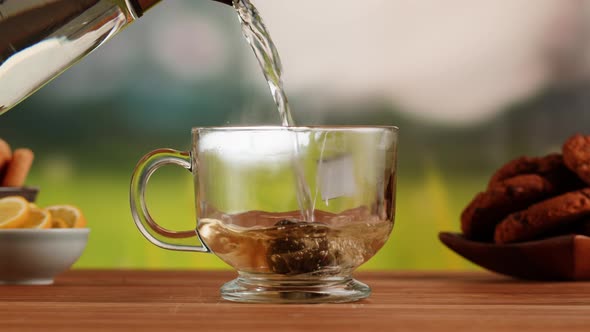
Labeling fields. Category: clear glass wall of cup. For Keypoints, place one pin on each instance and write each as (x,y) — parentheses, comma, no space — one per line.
(295,210)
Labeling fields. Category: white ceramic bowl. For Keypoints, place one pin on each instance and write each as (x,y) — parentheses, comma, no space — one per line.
(37,256)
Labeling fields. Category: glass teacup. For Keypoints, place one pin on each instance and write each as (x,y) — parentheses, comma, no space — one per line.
(295,210)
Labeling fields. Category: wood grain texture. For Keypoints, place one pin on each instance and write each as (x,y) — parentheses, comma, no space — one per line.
(401,301)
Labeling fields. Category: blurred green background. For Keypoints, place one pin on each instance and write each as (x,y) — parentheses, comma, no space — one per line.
(468,95)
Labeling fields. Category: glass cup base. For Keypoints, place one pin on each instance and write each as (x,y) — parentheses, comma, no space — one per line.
(293,291)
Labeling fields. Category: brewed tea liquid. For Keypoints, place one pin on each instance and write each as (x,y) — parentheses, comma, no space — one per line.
(268,57)
(317,249)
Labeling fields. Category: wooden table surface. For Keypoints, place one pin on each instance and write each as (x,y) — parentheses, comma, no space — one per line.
(401,301)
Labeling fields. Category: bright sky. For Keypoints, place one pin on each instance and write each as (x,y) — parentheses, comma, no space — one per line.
(452,60)
(458,61)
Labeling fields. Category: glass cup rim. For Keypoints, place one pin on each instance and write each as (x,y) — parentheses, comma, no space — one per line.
(351,128)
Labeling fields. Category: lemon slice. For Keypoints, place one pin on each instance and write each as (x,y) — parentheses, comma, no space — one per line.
(38,218)
(70,214)
(14,212)
(58,223)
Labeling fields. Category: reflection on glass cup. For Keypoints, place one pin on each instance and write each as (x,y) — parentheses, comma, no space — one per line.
(295,210)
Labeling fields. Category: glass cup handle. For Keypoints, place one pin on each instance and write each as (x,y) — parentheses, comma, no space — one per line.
(155,233)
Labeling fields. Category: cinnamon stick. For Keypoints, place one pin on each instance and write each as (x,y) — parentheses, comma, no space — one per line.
(18,168)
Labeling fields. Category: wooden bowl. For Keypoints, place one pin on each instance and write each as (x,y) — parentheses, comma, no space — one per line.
(29,193)
(564,257)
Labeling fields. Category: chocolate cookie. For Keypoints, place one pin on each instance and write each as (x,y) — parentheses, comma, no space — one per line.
(552,167)
(487,209)
(576,155)
(544,217)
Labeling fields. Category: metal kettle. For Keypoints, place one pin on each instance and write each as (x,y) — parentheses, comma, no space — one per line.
(39,39)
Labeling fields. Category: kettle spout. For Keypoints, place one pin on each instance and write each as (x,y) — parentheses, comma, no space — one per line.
(140,6)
